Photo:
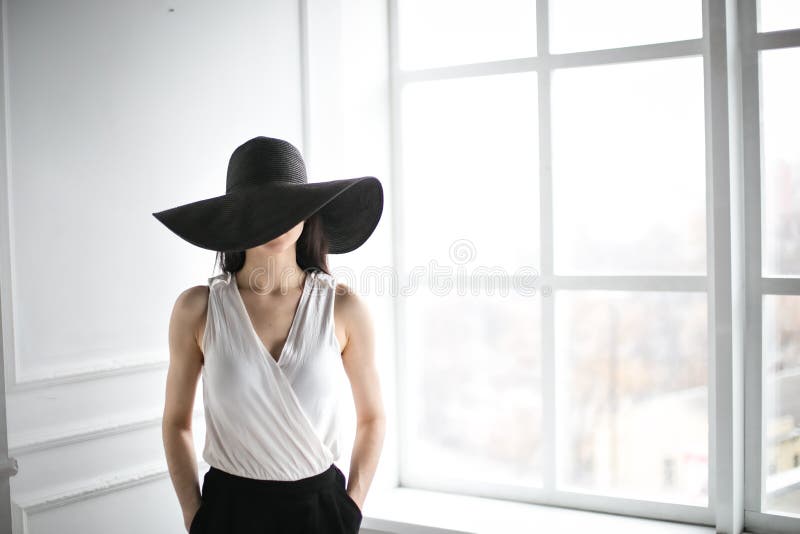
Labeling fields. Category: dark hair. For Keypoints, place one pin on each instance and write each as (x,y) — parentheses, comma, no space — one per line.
(311,247)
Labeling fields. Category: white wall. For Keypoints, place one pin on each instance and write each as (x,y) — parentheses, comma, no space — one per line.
(115,110)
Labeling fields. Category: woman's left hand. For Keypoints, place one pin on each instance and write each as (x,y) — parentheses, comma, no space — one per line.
(357,500)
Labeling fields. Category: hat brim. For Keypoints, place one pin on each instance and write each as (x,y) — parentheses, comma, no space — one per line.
(350,209)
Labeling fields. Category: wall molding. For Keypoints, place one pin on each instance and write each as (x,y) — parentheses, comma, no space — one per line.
(52,439)
(37,502)
(85,372)
(34,502)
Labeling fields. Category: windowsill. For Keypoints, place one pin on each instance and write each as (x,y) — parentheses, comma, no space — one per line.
(404,510)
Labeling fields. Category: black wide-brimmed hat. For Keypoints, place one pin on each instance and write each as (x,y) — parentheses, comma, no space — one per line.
(267,194)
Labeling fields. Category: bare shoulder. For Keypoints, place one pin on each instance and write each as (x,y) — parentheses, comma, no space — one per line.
(348,302)
(352,313)
(189,311)
(192,301)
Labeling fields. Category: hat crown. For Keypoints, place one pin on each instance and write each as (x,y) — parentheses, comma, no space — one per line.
(263,160)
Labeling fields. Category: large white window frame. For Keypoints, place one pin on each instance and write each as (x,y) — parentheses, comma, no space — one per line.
(733,281)
(755,283)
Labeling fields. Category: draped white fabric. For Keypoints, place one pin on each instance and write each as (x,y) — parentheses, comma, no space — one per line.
(265,419)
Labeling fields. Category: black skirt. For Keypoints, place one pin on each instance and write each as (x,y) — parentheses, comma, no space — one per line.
(232,504)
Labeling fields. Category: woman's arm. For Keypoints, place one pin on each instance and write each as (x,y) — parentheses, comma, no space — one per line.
(185,363)
(358,357)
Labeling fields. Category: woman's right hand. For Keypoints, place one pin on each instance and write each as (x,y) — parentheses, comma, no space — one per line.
(188,518)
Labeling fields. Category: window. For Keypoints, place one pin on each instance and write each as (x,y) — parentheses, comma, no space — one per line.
(567,230)
(771,55)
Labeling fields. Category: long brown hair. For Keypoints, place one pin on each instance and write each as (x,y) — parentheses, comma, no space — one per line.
(312,250)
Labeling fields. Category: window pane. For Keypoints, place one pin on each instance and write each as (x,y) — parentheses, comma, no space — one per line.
(435,33)
(782,402)
(474,370)
(633,378)
(629,168)
(578,25)
(778,15)
(470,170)
(780,117)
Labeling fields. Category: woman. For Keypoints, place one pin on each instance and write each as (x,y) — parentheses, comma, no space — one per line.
(269,335)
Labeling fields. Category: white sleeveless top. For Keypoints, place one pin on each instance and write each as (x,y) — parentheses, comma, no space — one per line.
(265,419)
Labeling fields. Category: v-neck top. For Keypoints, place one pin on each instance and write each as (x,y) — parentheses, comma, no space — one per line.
(271,418)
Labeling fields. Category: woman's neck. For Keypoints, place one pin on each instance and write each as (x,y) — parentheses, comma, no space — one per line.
(265,272)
